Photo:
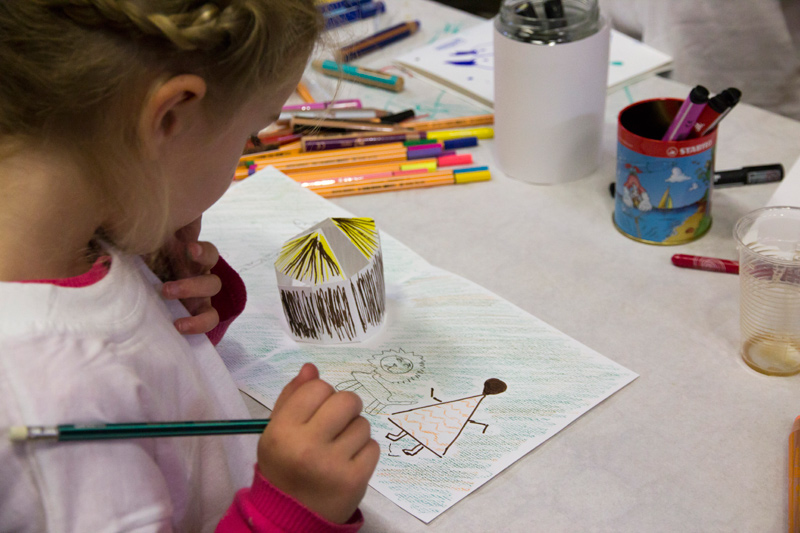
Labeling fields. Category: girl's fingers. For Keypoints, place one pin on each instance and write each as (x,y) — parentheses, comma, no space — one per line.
(354,437)
(336,414)
(203,253)
(307,373)
(366,459)
(302,405)
(204,286)
(202,322)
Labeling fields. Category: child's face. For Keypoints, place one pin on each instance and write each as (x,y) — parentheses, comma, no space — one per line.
(202,173)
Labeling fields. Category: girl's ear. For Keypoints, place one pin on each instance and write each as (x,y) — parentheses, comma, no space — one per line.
(168,110)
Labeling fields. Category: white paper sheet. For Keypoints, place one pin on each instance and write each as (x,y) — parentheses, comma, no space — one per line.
(788,192)
(444,338)
(465,62)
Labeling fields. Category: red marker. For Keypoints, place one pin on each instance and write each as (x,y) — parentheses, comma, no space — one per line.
(716,105)
(731,97)
(710,264)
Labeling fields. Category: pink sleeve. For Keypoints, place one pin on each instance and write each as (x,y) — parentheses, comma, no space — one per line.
(229,301)
(265,509)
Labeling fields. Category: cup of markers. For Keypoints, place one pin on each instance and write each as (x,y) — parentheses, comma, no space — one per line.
(665,166)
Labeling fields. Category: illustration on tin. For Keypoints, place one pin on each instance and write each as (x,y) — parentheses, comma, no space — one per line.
(330,279)
(392,369)
(663,200)
(436,427)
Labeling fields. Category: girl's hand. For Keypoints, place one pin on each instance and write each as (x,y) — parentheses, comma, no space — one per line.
(317,448)
(189,264)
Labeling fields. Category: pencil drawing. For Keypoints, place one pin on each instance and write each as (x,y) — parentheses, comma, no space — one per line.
(436,427)
(381,387)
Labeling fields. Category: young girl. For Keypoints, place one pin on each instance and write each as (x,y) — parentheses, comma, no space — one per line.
(121,121)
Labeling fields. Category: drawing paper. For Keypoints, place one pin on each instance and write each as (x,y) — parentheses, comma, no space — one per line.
(788,192)
(458,384)
(465,62)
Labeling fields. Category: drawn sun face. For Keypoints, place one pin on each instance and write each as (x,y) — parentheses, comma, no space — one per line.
(398,366)
(395,364)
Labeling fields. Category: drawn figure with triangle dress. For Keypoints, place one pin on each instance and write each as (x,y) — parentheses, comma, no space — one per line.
(436,427)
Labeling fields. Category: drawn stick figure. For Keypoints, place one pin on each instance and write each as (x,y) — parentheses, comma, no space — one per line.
(436,427)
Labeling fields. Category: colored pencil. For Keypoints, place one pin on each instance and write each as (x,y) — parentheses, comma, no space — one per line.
(395,147)
(304,93)
(386,166)
(322,183)
(332,159)
(429,179)
(377,41)
(136,430)
(323,143)
(374,78)
(256,145)
(293,148)
(318,106)
(300,123)
(448,123)
(361,113)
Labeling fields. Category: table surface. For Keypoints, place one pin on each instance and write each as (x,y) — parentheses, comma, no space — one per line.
(699,441)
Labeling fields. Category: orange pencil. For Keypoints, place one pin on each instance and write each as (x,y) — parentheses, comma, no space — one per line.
(319,184)
(332,154)
(299,162)
(354,170)
(370,168)
(304,93)
(448,123)
(300,124)
(343,161)
(429,179)
(284,151)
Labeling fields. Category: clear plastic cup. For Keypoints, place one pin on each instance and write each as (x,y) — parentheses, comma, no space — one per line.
(769,275)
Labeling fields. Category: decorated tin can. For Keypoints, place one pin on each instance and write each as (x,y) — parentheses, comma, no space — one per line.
(663,188)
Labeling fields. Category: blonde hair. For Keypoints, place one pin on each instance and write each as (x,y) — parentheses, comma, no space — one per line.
(76,72)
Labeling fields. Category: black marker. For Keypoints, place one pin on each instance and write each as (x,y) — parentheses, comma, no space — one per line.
(554,9)
(398,117)
(749,176)
(742,176)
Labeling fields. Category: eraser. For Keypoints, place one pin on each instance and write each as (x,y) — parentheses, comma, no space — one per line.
(16,433)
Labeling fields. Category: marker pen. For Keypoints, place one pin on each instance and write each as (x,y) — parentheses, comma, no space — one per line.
(714,108)
(687,114)
(749,176)
(709,264)
(731,97)
(741,176)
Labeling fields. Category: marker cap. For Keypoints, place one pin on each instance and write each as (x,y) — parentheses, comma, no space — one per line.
(470,177)
(454,160)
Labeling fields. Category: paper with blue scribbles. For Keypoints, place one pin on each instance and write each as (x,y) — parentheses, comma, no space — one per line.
(458,385)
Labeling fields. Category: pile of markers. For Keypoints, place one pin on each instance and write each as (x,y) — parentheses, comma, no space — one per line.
(339,149)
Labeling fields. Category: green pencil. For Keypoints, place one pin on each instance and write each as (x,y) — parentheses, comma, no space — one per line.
(136,430)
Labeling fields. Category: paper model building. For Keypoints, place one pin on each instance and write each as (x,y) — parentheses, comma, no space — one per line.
(331,284)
